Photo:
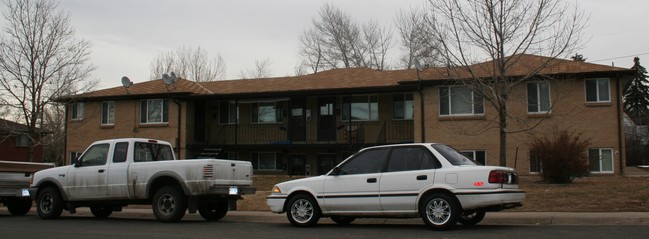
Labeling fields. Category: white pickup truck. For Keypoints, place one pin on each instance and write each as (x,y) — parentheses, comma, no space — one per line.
(114,173)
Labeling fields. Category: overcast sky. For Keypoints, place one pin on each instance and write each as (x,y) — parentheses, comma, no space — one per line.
(127,34)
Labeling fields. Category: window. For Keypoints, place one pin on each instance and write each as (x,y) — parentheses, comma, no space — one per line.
(597,90)
(600,160)
(459,100)
(538,97)
(77,111)
(535,162)
(145,152)
(120,152)
(266,112)
(228,112)
(360,108)
(22,140)
(453,156)
(108,112)
(410,158)
(369,161)
(479,156)
(264,161)
(154,111)
(402,106)
(95,155)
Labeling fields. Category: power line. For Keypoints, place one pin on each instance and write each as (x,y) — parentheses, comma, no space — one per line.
(620,57)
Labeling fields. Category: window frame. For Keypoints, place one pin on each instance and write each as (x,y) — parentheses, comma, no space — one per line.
(404,106)
(255,112)
(76,111)
(144,111)
(226,109)
(258,158)
(474,155)
(539,101)
(597,90)
(477,101)
(109,113)
(535,162)
(601,161)
(372,103)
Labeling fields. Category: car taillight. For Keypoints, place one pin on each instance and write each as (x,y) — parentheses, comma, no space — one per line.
(503,177)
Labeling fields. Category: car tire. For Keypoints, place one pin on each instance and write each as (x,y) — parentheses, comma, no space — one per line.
(470,218)
(303,211)
(439,211)
(343,220)
(100,211)
(213,211)
(18,206)
(49,203)
(169,204)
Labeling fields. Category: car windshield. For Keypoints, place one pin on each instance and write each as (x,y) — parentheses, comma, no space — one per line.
(453,156)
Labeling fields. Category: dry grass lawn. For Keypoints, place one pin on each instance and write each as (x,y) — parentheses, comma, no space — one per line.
(591,194)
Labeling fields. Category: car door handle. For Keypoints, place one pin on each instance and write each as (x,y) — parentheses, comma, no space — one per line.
(371,180)
(101,170)
(422,177)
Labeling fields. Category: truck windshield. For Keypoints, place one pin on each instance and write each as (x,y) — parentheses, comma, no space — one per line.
(453,156)
(145,152)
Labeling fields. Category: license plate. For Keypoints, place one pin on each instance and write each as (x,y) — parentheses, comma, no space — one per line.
(234,190)
(25,192)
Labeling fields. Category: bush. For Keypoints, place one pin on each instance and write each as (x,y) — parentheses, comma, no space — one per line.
(563,156)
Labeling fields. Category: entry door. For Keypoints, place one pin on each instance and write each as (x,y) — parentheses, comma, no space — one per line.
(297,120)
(326,119)
(297,165)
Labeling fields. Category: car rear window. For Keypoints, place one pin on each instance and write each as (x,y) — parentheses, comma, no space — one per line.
(453,156)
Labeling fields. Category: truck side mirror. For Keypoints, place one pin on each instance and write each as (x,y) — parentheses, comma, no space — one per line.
(76,162)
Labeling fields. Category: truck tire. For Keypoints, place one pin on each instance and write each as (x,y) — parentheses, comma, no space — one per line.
(49,203)
(100,211)
(19,206)
(169,204)
(213,211)
(440,211)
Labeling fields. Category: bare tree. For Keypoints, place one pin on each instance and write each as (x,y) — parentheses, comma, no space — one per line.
(502,31)
(189,64)
(39,60)
(261,70)
(415,42)
(337,41)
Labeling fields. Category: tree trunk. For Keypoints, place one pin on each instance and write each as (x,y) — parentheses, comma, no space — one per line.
(502,126)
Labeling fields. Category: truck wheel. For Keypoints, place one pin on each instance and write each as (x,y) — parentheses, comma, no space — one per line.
(213,211)
(169,204)
(439,211)
(470,218)
(101,212)
(303,211)
(49,203)
(19,206)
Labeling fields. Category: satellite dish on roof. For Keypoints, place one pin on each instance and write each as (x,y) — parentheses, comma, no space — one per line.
(126,82)
(169,79)
(418,65)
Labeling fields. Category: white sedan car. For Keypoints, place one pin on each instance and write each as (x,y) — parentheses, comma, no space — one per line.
(431,181)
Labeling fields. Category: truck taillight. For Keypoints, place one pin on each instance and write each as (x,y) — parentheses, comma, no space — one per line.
(208,171)
(503,177)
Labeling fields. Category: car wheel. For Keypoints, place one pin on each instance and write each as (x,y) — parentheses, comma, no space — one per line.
(19,206)
(101,212)
(470,218)
(213,211)
(343,220)
(303,211)
(169,204)
(49,203)
(439,211)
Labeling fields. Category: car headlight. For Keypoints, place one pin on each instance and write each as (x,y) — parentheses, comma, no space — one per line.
(276,189)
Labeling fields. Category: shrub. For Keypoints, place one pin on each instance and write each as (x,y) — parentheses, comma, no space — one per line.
(563,156)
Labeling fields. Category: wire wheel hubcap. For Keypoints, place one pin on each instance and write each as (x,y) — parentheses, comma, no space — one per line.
(302,211)
(438,211)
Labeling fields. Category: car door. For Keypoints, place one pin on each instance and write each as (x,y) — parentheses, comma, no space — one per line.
(409,170)
(354,187)
(88,178)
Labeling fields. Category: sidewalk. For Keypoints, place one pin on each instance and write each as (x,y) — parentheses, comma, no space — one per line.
(492,218)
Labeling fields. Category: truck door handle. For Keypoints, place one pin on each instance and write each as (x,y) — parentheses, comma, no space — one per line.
(422,177)
(371,180)
(101,171)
